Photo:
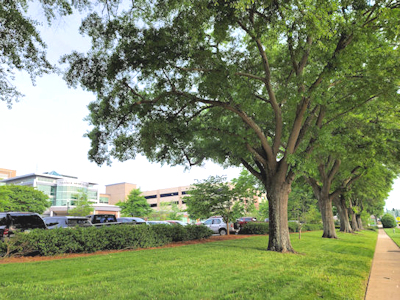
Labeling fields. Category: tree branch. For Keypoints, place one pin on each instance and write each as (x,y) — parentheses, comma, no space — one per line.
(343,42)
(297,125)
(334,169)
(251,169)
(350,109)
(248,75)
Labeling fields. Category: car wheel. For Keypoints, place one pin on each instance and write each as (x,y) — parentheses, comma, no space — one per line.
(222,232)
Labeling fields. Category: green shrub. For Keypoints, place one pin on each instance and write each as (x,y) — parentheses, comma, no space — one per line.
(255,228)
(312,227)
(263,228)
(293,226)
(78,240)
(3,248)
(388,221)
(196,232)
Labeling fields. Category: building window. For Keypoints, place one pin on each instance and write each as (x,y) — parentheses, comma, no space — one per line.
(104,200)
(169,195)
(153,205)
(151,197)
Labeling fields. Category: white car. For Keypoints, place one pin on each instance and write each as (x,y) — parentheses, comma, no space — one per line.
(219,226)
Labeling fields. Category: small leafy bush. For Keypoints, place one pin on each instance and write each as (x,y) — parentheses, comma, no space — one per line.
(293,226)
(196,232)
(3,248)
(263,228)
(255,228)
(388,221)
(78,240)
(312,227)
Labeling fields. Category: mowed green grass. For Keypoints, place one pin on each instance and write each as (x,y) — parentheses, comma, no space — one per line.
(236,269)
(395,236)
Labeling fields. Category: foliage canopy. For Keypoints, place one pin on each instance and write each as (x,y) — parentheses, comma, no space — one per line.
(23,198)
(215,197)
(83,206)
(135,205)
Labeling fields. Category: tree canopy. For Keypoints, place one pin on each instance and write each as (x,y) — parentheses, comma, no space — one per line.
(238,82)
(23,198)
(215,196)
(135,205)
(83,206)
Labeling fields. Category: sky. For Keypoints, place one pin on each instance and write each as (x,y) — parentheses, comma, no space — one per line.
(44,131)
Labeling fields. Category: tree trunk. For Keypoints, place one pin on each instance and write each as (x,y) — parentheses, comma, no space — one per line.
(359,222)
(353,220)
(325,205)
(343,215)
(278,195)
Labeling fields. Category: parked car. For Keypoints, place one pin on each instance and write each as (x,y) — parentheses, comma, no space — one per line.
(244,220)
(12,222)
(131,220)
(67,222)
(176,222)
(219,226)
(99,220)
(157,222)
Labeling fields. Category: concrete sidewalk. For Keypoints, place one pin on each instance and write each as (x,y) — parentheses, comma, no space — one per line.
(384,280)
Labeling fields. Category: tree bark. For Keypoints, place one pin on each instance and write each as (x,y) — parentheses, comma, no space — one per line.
(353,220)
(359,222)
(343,215)
(278,195)
(325,205)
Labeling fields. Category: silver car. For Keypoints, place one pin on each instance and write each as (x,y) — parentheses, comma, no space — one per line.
(219,226)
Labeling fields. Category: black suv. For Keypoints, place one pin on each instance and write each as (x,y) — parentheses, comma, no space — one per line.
(11,222)
(66,222)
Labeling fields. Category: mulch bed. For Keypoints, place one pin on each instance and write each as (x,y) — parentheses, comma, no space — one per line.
(215,238)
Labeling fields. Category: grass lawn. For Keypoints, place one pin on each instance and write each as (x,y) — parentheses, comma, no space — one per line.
(395,236)
(235,269)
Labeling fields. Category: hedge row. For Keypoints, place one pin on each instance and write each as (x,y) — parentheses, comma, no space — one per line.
(86,240)
(263,228)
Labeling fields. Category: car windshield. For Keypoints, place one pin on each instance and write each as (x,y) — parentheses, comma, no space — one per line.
(3,219)
(104,218)
(27,221)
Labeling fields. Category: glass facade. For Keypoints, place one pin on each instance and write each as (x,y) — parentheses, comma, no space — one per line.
(43,179)
(66,191)
(61,190)
(47,189)
(104,200)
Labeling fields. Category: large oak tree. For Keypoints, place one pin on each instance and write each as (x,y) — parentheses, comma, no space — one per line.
(237,82)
